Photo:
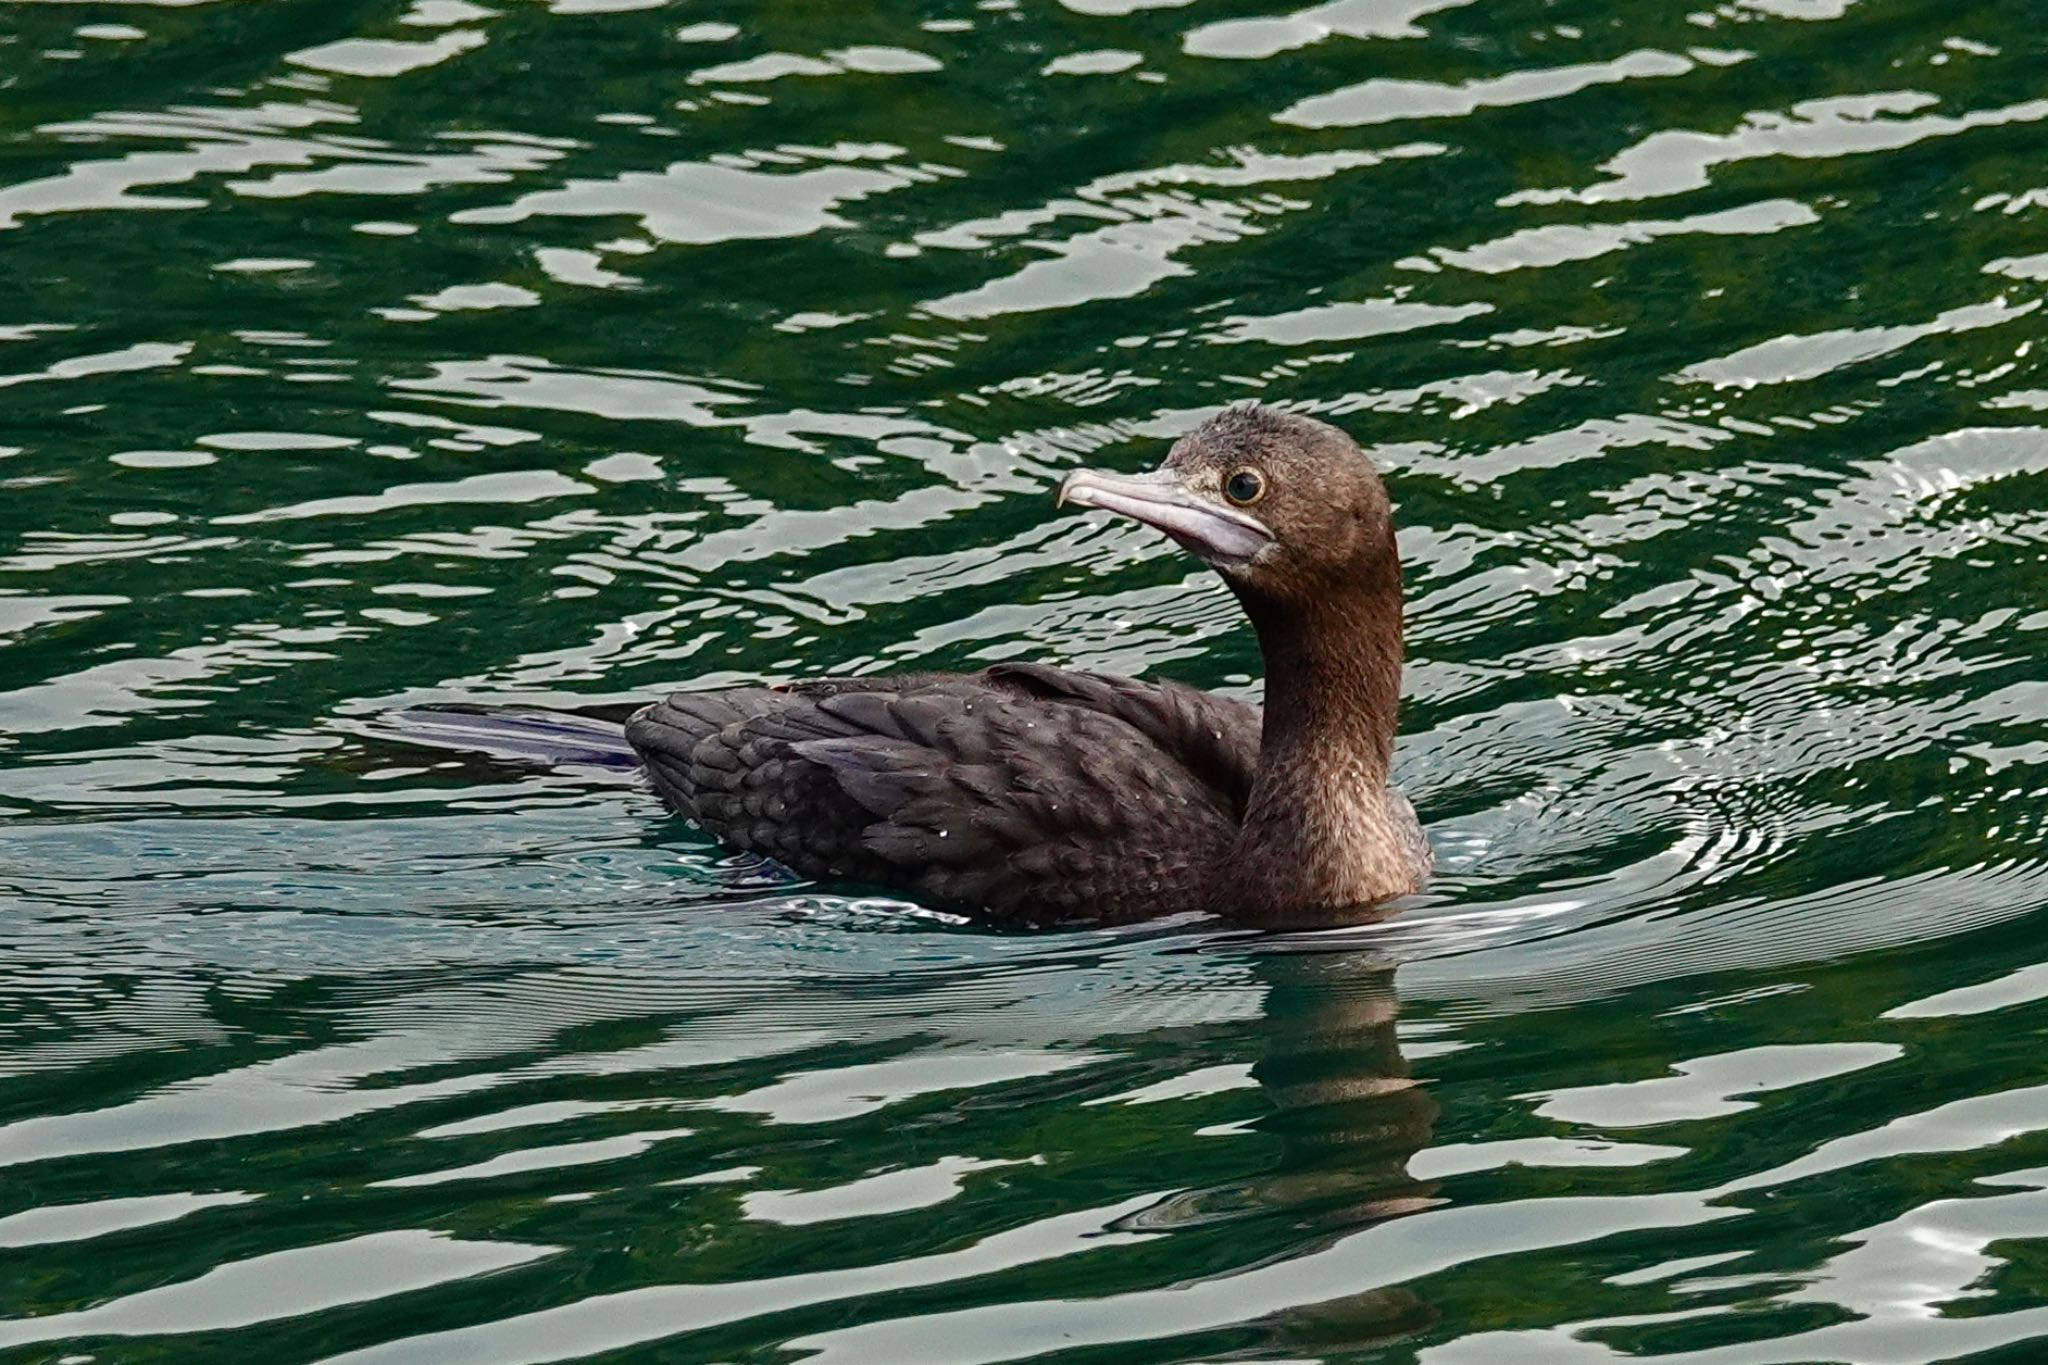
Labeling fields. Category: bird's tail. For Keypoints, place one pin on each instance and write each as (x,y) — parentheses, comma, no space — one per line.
(547,738)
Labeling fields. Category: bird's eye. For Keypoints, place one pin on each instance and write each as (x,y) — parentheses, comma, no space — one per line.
(1245,487)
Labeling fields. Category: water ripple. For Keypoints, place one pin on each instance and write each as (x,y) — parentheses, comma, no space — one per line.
(558,355)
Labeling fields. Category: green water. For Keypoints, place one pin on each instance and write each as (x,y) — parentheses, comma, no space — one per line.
(355,356)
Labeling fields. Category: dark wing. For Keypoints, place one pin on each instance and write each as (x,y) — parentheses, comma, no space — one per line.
(971,793)
(1215,738)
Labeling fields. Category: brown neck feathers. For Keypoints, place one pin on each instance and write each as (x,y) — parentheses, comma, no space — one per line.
(1320,835)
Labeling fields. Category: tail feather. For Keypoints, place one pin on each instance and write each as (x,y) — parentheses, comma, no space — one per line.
(549,738)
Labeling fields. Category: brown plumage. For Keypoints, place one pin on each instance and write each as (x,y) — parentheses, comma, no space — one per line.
(1035,795)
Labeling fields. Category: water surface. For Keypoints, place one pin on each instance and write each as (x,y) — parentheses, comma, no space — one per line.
(355,356)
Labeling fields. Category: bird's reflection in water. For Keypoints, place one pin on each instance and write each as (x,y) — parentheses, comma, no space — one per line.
(1344,1104)
(1349,1118)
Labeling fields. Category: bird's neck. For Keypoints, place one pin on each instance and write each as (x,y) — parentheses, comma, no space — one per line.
(1321,834)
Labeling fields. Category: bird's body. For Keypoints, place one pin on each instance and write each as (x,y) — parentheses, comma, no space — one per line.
(1032,795)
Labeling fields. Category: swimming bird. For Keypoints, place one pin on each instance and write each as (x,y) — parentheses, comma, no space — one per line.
(1031,795)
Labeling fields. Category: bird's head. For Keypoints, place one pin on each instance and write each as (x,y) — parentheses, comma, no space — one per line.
(1283,506)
